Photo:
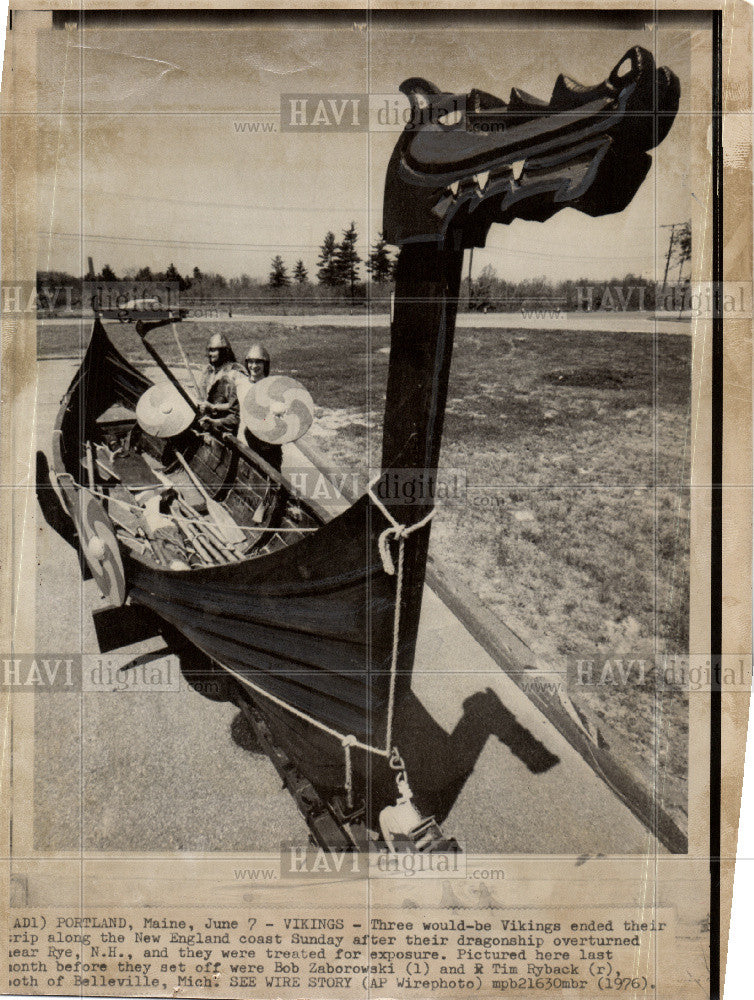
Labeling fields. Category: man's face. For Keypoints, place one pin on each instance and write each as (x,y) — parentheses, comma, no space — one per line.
(255,368)
(213,356)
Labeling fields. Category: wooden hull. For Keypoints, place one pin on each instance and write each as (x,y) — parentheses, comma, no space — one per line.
(307,629)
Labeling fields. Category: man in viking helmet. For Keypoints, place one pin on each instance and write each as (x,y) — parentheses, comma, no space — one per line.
(257,362)
(218,405)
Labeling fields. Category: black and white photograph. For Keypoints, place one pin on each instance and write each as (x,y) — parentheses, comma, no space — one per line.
(361,499)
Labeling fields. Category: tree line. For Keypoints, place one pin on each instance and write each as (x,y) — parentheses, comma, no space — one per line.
(631,292)
(337,266)
(338,278)
(338,263)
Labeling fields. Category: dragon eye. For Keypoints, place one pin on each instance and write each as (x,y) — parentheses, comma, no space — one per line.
(625,68)
(451,118)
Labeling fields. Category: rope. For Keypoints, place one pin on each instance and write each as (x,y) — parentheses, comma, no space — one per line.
(401,532)
(394,529)
(295,711)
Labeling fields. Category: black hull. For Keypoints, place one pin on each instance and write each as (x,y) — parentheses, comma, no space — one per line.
(307,630)
(311,631)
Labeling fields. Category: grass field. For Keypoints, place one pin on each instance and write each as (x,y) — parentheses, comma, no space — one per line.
(576,527)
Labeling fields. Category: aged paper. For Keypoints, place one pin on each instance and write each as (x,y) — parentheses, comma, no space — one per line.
(576,714)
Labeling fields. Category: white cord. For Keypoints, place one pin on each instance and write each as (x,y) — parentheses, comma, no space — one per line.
(401,532)
(394,530)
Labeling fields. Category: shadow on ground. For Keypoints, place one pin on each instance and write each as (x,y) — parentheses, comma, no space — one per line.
(439,764)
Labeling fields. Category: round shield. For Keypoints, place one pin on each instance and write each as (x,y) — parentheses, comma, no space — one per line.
(163,412)
(100,549)
(277,409)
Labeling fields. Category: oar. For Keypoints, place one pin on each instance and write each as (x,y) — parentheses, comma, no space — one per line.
(89,464)
(150,547)
(190,533)
(142,330)
(211,533)
(134,544)
(189,369)
(224,521)
(205,554)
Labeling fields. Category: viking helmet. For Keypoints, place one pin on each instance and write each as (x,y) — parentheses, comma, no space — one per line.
(258,352)
(219,342)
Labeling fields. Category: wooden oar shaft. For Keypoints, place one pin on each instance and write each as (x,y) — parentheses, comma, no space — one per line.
(192,475)
(189,369)
(164,367)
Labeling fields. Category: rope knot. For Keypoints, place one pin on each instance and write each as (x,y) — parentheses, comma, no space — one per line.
(401,532)
(398,532)
(394,530)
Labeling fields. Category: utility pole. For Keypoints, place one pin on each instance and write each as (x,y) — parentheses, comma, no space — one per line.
(471,260)
(671,226)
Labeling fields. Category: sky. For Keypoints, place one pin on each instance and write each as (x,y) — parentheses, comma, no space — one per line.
(164,164)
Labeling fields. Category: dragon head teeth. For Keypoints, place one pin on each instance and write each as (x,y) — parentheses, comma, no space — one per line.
(481,179)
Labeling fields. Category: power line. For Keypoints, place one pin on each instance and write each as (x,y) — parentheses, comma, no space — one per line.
(187,243)
(567,256)
(672,226)
(89,192)
(363,246)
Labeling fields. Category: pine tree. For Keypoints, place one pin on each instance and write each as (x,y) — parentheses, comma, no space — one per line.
(173,275)
(300,273)
(144,274)
(379,265)
(347,259)
(279,275)
(326,275)
(108,274)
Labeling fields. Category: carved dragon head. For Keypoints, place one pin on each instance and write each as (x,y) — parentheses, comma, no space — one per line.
(466,161)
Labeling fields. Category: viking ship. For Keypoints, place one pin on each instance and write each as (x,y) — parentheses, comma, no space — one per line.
(316,617)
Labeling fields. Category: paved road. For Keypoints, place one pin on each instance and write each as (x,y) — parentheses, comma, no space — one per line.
(609,322)
(175,771)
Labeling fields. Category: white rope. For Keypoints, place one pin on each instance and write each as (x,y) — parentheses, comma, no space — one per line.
(295,711)
(394,529)
(345,741)
(401,532)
